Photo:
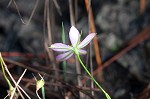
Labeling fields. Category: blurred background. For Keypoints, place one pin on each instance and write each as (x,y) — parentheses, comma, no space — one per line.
(119,56)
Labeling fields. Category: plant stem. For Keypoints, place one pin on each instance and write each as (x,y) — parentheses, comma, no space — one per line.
(108,97)
(64,69)
(3,70)
(43,92)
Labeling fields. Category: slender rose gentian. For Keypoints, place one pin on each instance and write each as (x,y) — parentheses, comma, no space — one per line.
(76,46)
(77,49)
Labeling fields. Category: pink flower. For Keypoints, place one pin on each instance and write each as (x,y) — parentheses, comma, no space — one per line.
(76,47)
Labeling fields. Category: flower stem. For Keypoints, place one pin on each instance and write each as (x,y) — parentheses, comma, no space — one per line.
(43,92)
(108,97)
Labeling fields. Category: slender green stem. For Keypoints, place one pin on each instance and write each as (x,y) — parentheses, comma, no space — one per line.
(64,41)
(3,70)
(43,92)
(64,69)
(108,97)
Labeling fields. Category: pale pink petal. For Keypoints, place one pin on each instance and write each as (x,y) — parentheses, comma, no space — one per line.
(64,56)
(87,40)
(82,51)
(60,47)
(74,36)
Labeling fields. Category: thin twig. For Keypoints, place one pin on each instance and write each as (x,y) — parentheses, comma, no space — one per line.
(14,80)
(57,7)
(95,40)
(16,6)
(91,68)
(76,10)
(93,29)
(17,84)
(10,2)
(91,62)
(50,52)
(38,94)
(72,19)
(142,6)
(18,12)
(32,13)
(78,67)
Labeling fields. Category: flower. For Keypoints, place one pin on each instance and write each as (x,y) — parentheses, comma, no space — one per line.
(76,46)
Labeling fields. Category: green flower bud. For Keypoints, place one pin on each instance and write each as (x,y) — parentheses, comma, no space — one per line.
(39,84)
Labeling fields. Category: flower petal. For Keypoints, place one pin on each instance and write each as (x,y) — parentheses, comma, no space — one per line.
(60,47)
(87,40)
(82,51)
(74,36)
(64,56)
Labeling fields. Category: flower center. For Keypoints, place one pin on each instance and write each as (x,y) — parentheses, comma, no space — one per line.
(76,50)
